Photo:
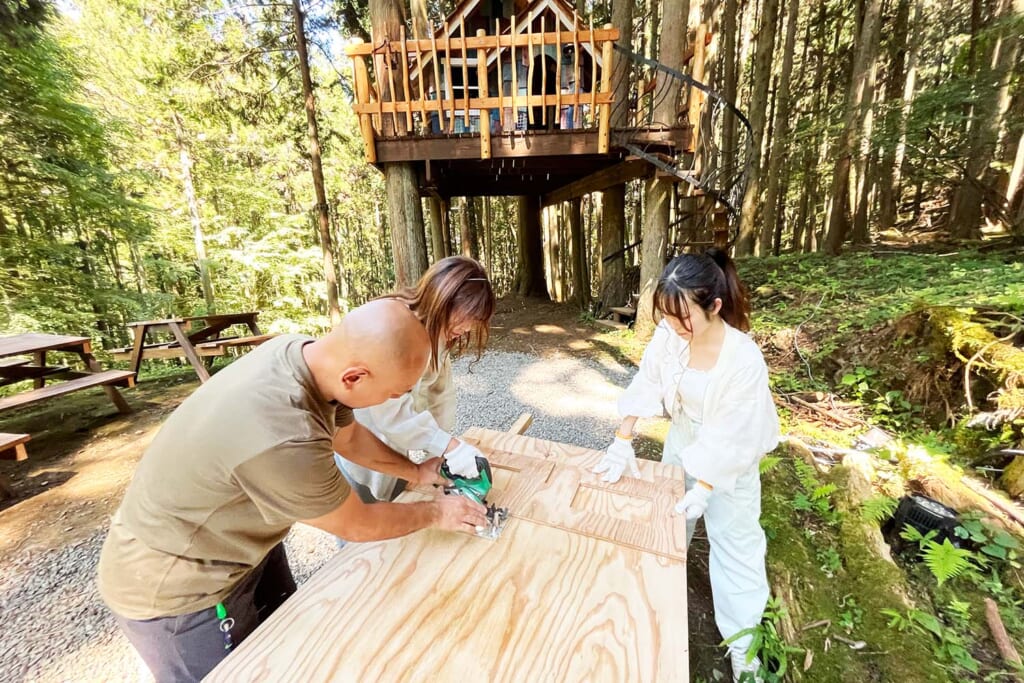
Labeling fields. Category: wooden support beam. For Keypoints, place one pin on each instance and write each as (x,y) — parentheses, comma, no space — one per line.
(605,116)
(485,113)
(564,143)
(517,39)
(521,424)
(630,169)
(490,103)
(362,81)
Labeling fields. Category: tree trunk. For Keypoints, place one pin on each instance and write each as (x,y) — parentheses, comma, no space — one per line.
(530,262)
(762,77)
(613,227)
(468,229)
(437,243)
(323,220)
(857,102)
(862,187)
(729,78)
(408,237)
(780,138)
(488,236)
(659,191)
(993,85)
(185,161)
(580,281)
(902,73)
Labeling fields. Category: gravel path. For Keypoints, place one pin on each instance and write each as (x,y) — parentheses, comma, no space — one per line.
(56,629)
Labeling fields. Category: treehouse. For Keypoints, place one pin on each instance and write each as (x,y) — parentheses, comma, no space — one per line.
(539,78)
(519,97)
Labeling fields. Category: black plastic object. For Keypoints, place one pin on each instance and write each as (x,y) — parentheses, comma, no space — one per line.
(924,514)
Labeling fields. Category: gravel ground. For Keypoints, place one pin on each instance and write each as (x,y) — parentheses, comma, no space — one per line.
(56,629)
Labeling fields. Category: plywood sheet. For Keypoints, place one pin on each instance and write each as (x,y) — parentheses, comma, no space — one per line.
(585,584)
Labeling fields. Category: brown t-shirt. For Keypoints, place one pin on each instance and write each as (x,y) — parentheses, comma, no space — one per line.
(241,460)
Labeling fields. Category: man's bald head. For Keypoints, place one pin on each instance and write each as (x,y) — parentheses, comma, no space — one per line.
(377,352)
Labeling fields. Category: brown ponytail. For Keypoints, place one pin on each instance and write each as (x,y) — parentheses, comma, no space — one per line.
(703,278)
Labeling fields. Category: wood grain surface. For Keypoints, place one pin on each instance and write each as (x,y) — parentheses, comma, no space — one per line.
(586,583)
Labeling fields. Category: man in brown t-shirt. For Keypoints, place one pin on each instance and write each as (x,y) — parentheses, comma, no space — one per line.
(194,560)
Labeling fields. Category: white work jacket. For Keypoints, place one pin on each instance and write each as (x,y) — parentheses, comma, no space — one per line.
(419,420)
(739,422)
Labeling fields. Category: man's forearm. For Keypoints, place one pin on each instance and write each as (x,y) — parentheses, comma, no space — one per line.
(358,522)
(361,446)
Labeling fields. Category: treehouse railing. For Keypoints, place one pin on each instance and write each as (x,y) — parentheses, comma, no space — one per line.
(413,93)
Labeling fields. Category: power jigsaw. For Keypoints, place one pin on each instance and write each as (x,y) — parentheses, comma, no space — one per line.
(477,490)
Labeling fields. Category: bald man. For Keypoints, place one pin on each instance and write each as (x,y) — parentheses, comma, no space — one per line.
(194,560)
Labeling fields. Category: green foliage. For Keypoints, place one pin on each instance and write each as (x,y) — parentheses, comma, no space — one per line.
(814,497)
(851,615)
(948,645)
(768,645)
(944,560)
(993,542)
(878,509)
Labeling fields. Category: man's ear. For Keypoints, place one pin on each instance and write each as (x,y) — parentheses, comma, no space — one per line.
(350,377)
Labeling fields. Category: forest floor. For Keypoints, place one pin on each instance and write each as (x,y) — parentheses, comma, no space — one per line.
(842,608)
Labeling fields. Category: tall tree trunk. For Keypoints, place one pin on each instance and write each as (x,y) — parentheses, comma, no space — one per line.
(529,279)
(780,139)
(861,189)
(467,232)
(729,78)
(762,77)
(993,84)
(185,160)
(580,281)
(902,69)
(408,240)
(853,125)
(613,228)
(438,247)
(323,219)
(659,191)
(488,235)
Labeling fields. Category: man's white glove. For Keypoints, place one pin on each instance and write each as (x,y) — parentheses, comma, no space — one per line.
(617,458)
(462,460)
(695,502)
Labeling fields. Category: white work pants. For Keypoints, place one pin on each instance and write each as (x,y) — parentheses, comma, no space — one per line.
(739,585)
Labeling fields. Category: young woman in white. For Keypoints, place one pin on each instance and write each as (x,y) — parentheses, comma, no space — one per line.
(455,302)
(710,379)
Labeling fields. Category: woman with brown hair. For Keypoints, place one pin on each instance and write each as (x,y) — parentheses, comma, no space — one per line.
(454,301)
(710,378)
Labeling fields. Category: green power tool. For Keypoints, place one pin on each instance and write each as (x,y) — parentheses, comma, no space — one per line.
(477,490)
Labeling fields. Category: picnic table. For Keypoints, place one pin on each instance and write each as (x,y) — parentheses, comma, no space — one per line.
(192,338)
(14,369)
(586,582)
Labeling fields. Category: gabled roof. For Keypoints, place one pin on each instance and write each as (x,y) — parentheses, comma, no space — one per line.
(560,8)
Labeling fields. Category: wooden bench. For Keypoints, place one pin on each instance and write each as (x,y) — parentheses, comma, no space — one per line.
(104,378)
(15,443)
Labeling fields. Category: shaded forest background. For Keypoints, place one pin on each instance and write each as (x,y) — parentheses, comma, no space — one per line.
(155,156)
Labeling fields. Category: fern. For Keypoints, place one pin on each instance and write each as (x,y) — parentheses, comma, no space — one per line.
(823,491)
(768,463)
(878,509)
(945,560)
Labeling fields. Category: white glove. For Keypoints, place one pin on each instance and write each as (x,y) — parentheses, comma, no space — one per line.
(617,458)
(695,502)
(462,460)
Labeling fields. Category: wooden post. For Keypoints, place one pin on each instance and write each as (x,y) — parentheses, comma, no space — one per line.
(515,76)
(437,79)
(406,83)
(543,72)
(604,120)
(529,66)
(558,73)
(577,115)
(501,80)
(465,73)
(482,92)
(449,90)
(593,74)
(362,80)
